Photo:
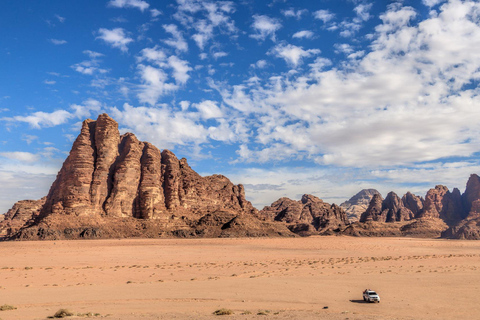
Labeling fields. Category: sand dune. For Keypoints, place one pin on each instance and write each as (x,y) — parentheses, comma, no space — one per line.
(255,278)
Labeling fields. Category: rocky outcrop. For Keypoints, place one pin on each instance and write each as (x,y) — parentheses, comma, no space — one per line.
(22,213)
(471,197)
(394,209)
(310,215)
(358,204)
(413,203)
(108,177)
(469,227)
(442,204)
(374,211)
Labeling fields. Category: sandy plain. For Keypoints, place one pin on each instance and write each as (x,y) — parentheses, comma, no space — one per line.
(255,278)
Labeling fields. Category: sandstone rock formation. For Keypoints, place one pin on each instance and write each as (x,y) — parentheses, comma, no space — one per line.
(108,177)
(358,204)
(22,212)
(469,227)
(390,209)
(310,215)
(443,204)
(413,203)
(471,197)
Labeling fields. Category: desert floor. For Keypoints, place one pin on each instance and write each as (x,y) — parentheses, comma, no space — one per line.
(255,278)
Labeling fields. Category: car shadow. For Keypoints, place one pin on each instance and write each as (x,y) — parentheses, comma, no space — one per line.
(358,301)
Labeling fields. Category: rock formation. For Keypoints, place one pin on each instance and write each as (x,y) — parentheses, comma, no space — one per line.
(358,204)
(471,197)
(469,227)
(22,212)
(413,203)
(443,204)
(374,210)
(108,177)
(310,215)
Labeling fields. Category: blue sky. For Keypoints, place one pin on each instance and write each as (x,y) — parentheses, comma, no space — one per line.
(287,97)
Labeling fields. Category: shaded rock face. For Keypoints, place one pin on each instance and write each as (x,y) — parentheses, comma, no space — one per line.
(358,204)
(310,215)
(413,203)
(21,213)
(443,204)
(471,197)
(392,208)
(374,211)
(108,176)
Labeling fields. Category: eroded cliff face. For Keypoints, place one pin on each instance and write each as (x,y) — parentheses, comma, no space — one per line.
(108,177)
(310,215)
(119,176)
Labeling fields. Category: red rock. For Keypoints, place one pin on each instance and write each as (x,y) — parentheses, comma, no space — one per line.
(310,215)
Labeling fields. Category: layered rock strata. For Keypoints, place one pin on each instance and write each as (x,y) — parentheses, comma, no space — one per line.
(109,176)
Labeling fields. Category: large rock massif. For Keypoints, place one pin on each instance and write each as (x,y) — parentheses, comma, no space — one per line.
(118,186)
(442,213)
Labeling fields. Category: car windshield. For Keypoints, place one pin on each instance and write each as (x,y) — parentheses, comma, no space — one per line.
(372,293)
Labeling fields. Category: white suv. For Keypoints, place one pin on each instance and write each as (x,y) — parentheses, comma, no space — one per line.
(370,296)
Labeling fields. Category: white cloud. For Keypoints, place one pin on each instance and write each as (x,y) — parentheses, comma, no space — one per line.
(50,82)
(90,67)
(260,64)
(138,4)
(57,41)
(60,18)
(87,107)
(20,156)
(303,34)
(161,126)
(363,11)
(180,69)
(205,17)
(93,54)
(432,3)
(154,84)
(264,27)
(155,13)
(155,55)
(292,54)
(177,41)
(292,13)
(42,119)
(209,109)
(219,54)
(115,37)
(324,15)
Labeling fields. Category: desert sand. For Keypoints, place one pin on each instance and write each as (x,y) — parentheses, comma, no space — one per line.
(255,278)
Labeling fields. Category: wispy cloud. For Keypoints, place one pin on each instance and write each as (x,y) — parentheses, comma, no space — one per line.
(307,34)
(138,4)
(57,41)
(292,54)
(177,41)
(264,27)
(117,38)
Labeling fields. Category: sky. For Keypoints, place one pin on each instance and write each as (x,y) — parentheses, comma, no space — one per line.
(324,97)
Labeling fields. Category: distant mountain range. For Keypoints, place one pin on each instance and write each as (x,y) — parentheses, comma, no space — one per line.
(114,186)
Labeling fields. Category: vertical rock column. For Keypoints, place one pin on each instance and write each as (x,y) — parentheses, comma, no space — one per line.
(107,139)
(70,193)
(150,199)
(126,178)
